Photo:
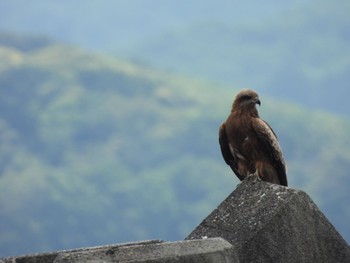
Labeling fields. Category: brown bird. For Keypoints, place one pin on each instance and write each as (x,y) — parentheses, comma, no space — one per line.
(248,144)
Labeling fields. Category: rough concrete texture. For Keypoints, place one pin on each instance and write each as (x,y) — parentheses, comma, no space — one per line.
(51,256)
(272,223)
(262,222)
(211,250)
(206,250)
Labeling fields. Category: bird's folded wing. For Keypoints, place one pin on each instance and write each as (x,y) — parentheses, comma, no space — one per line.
(269,139)
(226,151)
(224,145)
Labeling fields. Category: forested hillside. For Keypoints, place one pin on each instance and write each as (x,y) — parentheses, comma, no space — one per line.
(294,50)
(302,54)
(95,150)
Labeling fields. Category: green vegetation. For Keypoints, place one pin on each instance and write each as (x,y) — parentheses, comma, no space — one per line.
(95,150)
(301,54)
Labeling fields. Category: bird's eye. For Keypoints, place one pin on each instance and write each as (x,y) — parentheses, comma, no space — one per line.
(246,97)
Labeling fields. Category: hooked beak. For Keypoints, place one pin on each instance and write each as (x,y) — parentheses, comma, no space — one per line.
(257,101)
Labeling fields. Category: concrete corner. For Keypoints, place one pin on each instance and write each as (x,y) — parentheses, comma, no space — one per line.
(272,223)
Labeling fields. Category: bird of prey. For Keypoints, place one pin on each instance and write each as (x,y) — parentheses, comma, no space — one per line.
(248,144)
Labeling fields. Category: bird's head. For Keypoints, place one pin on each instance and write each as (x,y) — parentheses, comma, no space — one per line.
(246,100)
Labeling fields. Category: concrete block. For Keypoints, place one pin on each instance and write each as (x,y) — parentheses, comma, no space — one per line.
(272,223)
(213,250)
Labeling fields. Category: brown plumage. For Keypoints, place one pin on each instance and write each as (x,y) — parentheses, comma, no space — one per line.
(248,144)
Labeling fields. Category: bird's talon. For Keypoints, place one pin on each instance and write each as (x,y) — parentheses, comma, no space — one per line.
(253,177)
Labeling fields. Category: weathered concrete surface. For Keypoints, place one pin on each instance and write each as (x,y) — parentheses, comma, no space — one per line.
(51,256)
(214,250)
(262,222)
(211,250)
(272,223)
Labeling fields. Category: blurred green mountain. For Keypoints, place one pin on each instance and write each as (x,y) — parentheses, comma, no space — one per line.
(95,150)
(301,55)
(293,50)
